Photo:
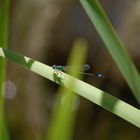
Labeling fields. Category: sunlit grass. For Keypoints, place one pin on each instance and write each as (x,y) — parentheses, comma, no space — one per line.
(93,94)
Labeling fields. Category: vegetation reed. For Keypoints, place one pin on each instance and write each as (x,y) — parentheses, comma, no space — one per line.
(64,115)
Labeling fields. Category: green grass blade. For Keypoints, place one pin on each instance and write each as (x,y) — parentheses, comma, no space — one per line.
(4,20)
(113,44)
(64,113)
(95,95)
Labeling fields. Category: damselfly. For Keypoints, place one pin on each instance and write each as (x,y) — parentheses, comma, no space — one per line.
(84,68)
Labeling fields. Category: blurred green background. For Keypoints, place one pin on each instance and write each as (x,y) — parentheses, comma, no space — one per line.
(45,30)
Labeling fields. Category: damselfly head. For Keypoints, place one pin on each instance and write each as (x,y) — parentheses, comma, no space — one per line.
(86,67)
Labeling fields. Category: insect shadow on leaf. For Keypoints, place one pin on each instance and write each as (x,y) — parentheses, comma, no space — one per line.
(58,78)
